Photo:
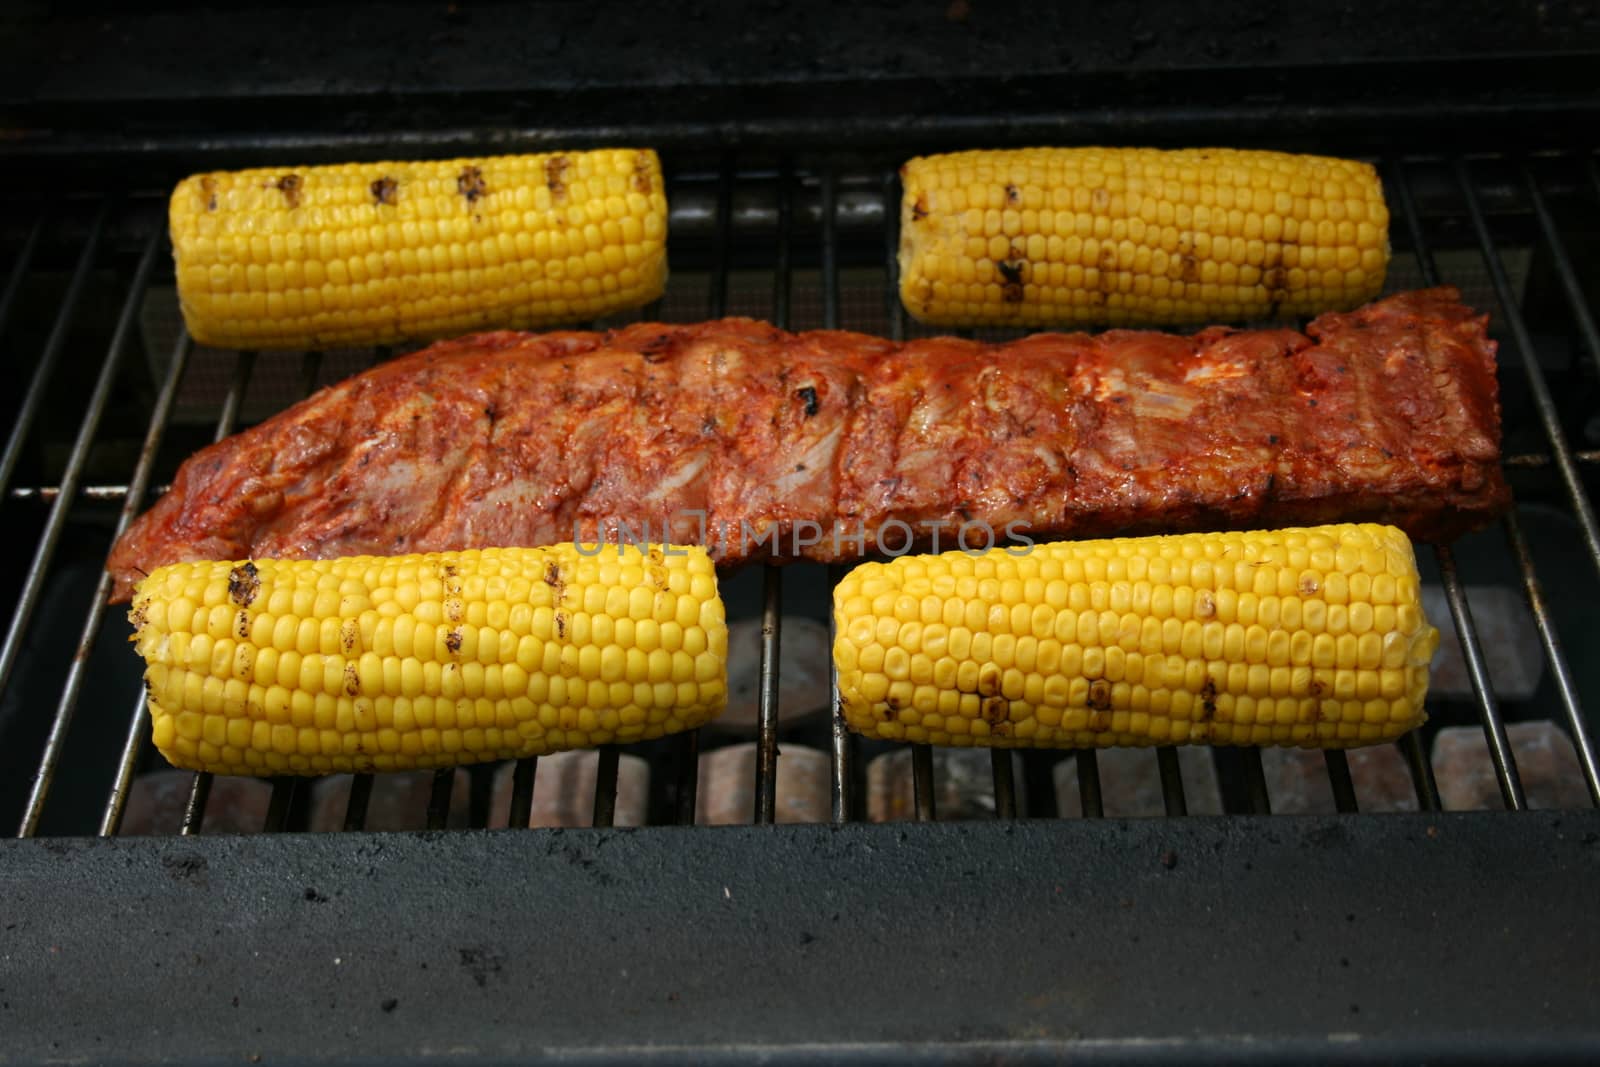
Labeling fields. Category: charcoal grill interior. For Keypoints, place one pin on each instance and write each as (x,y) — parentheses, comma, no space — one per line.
(1434,934)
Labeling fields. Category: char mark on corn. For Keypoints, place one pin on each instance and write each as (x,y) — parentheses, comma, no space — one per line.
(380,253)
(1102,236)
(396,663)
(1311,637)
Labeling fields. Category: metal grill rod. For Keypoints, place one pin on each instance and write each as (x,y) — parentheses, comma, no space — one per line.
(227,418)
(1564,270)
(283,790)
(111,820)
(45,549)
(355,809)
(355,813)
(1455,593)
(605,786)
(19,270)
(1494,727)
(688,743)
(766,784)
(1255,781)
(1344,788)
(1543,402)
(33,584)
(1582,742)
(843,745)
(922,785)
(1005,788)
(1576,722)
(45,370)
(1171,781)
(310,371)
(438,811)
(1421,771)
(522,778)
(924,804)
(1089,796)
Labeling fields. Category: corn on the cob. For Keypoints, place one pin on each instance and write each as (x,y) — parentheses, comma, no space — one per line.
(1105,236)
(375,253)
(1310,637)
(396,663)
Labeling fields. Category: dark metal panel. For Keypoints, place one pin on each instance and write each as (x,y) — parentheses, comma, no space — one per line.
(562,57)
(1116,939)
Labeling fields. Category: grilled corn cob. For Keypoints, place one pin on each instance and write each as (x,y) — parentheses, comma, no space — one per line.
(375,253)
(1105,236)
(372,663)
(1310,637)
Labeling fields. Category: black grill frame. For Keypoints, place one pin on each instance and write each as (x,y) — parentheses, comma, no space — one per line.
(1530,871)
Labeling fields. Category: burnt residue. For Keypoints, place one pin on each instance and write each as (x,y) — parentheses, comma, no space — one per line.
(552,574)
(386,191)
(919,207)
(561,625)
(450,578)
(808,396)
(643,173)
(658,347)
(555,175)
(480,962)
(452,641)
(289,186)
(244,582)
(1011,271)
(208,186)
(352,680)
(1208,699)
(470,184)
(1276,282)
(241,625)
(186,867)
(1013,196)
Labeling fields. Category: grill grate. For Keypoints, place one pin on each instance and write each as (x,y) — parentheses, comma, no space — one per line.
(835,216)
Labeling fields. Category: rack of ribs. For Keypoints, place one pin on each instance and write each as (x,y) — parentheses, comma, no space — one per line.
(829,445)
